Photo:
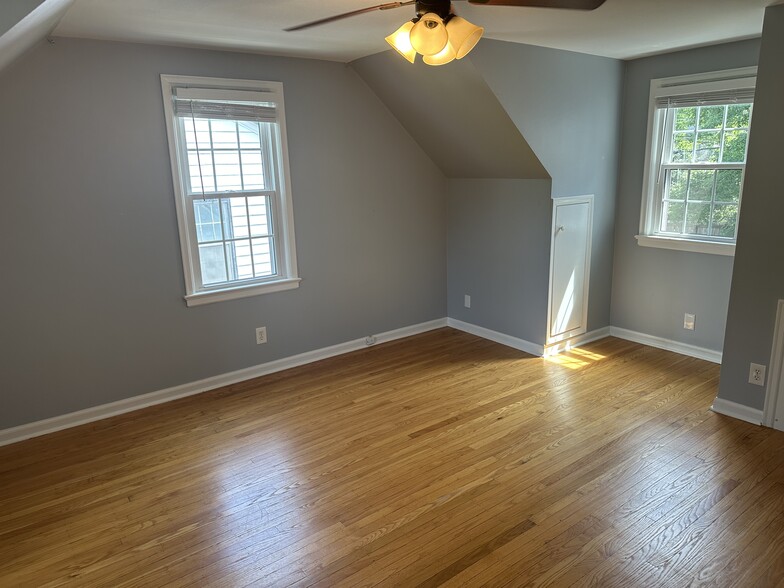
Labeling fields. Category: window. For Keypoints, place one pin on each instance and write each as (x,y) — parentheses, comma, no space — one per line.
(227,143)
(698,136)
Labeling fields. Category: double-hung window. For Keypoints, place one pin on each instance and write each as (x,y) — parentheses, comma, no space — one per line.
(698,136)
(228,149)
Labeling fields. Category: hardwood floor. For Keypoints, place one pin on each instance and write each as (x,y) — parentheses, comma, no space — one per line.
(439,460)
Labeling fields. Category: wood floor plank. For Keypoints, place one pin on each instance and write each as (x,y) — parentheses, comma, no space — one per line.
(438,460)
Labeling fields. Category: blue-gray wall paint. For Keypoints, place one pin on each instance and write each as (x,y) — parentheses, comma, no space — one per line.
(567,106)
(653,288)
(571,121)
(92,306)
(758,278)
(499,254)
(453,115)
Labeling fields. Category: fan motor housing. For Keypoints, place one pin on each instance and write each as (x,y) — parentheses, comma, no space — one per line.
(441,7)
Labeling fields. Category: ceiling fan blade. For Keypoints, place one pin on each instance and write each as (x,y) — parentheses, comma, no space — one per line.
(322,21)
(568,4)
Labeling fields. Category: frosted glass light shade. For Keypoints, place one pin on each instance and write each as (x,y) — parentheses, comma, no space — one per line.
(429,36)
(446,55)
(401,41)
(463,35)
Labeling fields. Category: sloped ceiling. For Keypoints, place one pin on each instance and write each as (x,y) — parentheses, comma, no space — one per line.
(12,11)
(453,115)
(23,23)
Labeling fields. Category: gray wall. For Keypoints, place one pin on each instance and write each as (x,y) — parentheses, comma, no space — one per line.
(758,278)
(453,115)
(653,288)
(499,254)
(567,106)
(91,305)
(477,119)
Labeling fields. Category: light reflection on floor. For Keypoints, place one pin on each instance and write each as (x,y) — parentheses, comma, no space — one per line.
(574,358)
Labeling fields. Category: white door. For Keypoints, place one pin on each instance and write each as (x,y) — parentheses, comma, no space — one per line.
(569,267)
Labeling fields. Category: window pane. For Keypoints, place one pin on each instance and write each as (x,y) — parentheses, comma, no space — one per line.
(672,219)
(249,135)
(235,218)
(701,185)
(200,172)
(738,116)
(725,218)
(259,217)
(262,257)
(711,117)
(213,264)
(252,170)
(685,119)
(708,146)
(735,146)
(227,170)
(206,214)
(728,185)
(224,134)
(239,255)
(697,219)
(198,138)
(682,147)
(678,182)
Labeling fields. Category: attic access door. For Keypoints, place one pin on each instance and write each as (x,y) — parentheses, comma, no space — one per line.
(570,262)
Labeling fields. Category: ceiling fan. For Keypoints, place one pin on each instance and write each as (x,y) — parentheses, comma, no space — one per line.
(437,33)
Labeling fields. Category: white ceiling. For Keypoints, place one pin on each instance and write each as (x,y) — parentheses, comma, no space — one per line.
(620,28)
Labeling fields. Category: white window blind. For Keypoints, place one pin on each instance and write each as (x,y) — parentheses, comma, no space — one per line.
(737,96)
(217,110)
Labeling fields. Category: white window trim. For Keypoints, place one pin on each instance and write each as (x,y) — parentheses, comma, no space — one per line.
(690,84)
(288,277)
(693,245)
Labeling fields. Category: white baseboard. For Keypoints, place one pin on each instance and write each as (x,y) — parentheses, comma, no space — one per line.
(103,411)
(667,344)
(501,338)
(737,411)
(576,341)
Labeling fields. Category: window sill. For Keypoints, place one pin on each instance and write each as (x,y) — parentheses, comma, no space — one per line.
(241,292)
(692,245)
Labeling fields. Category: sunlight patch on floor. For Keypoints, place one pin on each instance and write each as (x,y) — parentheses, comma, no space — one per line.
(572,358)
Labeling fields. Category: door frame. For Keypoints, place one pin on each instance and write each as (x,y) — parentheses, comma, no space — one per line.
(585,199)
(774,391)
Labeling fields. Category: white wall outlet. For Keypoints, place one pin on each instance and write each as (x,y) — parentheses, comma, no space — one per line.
(757,374)
(370,340)
(261,335)
(688,321)
(467,301)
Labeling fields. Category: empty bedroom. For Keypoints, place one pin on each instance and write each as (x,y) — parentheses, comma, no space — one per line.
(424,293)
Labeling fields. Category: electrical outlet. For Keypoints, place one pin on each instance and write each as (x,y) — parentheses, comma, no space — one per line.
(370,340)
(467,301)
(261,335)
(757,374)
(688,321)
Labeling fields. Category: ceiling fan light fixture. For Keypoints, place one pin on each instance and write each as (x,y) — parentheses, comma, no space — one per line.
(463,35)
(446,55)
(428,35)
(401,41)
